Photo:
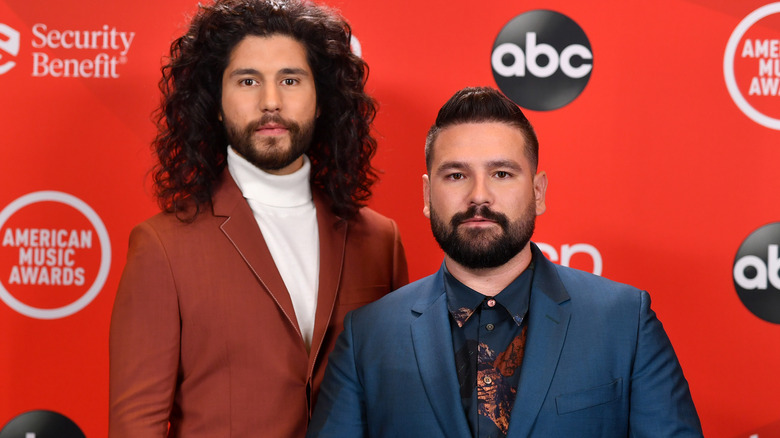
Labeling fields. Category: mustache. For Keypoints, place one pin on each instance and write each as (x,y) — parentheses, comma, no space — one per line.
(481,211)
(275,119)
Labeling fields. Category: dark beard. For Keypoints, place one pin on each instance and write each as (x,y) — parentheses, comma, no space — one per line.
(270,155)
(483,248)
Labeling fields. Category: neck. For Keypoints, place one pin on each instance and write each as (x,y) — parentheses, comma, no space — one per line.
(491,281)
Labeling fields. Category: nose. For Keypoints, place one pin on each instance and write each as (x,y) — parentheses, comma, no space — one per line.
(481,192)
(271,99)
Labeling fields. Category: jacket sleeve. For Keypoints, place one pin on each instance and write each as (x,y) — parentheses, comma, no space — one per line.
(661,403)
(340,411)
(143,341)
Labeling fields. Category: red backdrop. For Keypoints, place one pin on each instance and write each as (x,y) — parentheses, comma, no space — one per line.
(654,165)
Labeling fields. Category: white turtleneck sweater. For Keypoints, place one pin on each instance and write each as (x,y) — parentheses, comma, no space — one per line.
(284,209)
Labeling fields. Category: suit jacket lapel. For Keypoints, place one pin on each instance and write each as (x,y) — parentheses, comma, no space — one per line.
(333,242)
(432,340)
(548,322)
(240,227)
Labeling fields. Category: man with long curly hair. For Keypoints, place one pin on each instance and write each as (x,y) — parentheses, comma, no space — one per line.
(233,296)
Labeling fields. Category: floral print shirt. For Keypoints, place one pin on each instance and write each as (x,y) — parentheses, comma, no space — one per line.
(488,335)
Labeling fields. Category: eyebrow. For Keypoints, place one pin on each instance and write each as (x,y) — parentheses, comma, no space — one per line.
(493,164)
(510,164)
(452,165)
(244,71)
(284,71)
(294,71)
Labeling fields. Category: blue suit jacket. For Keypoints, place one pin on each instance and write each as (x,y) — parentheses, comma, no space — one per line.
(597,364)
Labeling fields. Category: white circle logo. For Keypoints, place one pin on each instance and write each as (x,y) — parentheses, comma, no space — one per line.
(757,272)
(542,60)
(47,255)
(765,51)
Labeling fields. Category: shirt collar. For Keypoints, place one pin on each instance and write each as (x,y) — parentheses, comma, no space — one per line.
(462,301)
(291,190)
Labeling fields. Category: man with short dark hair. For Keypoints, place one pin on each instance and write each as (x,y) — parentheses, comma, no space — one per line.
(233,296)
(500,342)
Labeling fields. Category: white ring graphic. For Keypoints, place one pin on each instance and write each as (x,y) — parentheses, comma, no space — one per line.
(728,65)
(105,257)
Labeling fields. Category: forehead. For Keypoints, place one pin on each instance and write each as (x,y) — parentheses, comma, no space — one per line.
(268,53)
(479,142)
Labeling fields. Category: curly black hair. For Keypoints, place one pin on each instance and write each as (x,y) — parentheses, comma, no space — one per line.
(191,143)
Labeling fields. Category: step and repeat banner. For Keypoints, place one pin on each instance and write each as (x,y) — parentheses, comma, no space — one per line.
(659,128)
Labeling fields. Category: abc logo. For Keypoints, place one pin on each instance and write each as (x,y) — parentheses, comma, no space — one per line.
(757,273)
(542,60)
(41,424)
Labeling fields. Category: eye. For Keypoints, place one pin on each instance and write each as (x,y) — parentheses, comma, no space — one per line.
(248,82)
(501,174)
(456,176)
(289,81)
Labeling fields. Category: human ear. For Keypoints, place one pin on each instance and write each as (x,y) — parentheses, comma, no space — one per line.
(540,191)
(426,196)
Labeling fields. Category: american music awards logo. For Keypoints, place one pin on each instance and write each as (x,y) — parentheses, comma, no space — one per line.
(55,255)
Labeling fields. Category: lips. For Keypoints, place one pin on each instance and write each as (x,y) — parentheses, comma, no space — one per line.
(477,220)
(272,129)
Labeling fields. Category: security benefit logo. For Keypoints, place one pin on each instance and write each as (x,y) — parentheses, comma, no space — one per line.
(757,272)
(88,53)
(9,47)
(542,60)
(55,255)
(751,65)
(64,52)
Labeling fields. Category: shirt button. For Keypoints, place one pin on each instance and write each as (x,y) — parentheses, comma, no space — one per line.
(491,303)
(487,380)
(490,327)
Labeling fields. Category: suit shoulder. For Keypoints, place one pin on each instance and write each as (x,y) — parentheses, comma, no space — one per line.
(168,229)
(161,220)
(582,279)
(601,299)
(402,298)
(367,217)
(371,228)
(586,287)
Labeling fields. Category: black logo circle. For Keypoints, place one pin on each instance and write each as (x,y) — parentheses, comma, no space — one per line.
(41,424)
(757,272)
(542,60)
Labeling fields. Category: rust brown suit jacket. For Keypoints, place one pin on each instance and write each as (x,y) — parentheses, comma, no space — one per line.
(203,331)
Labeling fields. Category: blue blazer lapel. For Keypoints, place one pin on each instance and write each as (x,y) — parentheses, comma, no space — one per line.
(548,322)
(432,341)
